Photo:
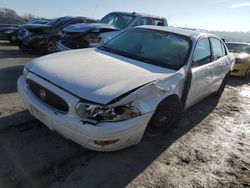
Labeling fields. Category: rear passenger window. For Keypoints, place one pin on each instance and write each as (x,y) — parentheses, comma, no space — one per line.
(141,21)
(202,53)
(157,22)
(217,48)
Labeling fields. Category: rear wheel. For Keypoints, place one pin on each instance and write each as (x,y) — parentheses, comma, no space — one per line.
(166,115)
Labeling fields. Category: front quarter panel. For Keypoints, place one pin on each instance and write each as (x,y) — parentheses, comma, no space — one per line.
(147,98)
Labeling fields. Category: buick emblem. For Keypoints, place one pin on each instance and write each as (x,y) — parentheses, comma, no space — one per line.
(43,94)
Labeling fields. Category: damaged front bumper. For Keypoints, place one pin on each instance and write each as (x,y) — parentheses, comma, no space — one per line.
(125,133)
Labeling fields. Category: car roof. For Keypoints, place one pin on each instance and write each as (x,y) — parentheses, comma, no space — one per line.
(139,14)
(245,43)
(185,32)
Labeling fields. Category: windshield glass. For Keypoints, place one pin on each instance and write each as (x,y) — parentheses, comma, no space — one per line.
(151,46)
(38,22)
(118,20)
(238,48)
(59,21)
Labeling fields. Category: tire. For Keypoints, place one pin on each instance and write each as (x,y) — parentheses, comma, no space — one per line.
(222,86)
(166,115)
(13,39)
(51,47)
(22,48)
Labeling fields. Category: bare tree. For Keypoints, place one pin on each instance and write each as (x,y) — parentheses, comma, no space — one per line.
(8,12)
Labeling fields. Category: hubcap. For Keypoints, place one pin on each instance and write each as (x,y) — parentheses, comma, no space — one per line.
(51,46)
(162,119)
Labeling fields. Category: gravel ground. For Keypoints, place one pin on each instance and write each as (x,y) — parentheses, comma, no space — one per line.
(210,147)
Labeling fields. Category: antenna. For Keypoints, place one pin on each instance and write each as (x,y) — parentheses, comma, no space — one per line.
(95,9)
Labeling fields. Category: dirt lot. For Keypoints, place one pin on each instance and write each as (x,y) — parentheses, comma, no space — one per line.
(210,147)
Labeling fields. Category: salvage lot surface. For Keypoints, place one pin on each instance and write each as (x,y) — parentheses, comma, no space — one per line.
(210,147)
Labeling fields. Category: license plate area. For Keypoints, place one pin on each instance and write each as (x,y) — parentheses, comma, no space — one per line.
(39,115)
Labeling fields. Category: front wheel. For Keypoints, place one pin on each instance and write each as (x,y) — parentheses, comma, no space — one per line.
(166,115)
(51,47)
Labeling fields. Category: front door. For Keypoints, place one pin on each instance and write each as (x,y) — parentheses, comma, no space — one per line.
(202,73)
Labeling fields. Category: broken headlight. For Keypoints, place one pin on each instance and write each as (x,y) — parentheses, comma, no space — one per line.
(103,113)
(93,38)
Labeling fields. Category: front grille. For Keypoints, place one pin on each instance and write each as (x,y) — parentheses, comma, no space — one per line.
(48,97)
(238,61)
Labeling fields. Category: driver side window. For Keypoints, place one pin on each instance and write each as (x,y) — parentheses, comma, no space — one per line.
(202,53)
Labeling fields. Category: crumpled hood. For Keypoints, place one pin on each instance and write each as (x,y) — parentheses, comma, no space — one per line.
(96,75)
(36,26)
(87,27)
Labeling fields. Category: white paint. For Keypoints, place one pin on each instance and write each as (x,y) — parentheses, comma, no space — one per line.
(101,77)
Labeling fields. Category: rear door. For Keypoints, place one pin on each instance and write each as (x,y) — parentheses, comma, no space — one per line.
(201,71)
(220,64)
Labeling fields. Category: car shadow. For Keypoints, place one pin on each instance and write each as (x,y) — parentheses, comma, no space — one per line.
(34,155)
(8,77)
(8,50)
(235,81)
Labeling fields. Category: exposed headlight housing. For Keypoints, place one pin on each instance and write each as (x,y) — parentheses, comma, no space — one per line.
(93,38)
(103,113)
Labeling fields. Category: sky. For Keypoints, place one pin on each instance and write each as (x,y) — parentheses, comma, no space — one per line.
(220,15)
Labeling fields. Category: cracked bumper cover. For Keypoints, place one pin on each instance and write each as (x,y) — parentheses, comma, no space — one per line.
(128,132)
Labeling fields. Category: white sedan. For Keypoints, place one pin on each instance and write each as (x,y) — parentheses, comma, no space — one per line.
(106,98)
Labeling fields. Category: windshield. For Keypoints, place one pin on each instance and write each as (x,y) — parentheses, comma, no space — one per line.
(59,21)
(118,20)
(151,46)
(38,22)
(238,48)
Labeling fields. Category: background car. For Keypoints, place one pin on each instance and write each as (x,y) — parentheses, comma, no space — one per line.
(241,51)
(92,35)
(105,98)
(44,37)
(12,32)
(7,23)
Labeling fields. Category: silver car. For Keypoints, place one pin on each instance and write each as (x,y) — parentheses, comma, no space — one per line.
(105,98)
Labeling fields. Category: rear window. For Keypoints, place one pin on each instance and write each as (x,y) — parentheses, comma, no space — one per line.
(158,22)
(118,20)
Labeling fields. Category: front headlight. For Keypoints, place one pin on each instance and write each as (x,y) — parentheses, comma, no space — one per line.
(9,31)
(25,72)
(103,113)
